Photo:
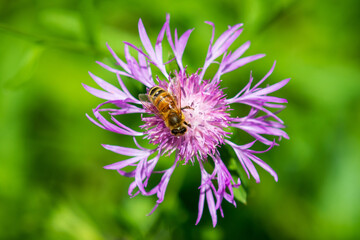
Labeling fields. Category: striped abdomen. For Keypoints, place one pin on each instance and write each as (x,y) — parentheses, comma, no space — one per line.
(161,99)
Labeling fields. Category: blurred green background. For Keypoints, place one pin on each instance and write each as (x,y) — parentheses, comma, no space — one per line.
(52,184)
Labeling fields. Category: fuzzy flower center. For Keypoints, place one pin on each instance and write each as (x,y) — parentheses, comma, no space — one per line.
(205,111)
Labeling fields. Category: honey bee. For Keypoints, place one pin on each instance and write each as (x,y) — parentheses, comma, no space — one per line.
(164,104)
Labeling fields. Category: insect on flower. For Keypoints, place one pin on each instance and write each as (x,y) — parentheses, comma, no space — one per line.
(164,104)
(190,116)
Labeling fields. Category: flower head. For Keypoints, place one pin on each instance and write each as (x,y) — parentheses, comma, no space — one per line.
(206,110)
(207,113)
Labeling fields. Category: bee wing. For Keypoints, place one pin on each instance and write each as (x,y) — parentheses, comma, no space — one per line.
(176,92)
(144,99)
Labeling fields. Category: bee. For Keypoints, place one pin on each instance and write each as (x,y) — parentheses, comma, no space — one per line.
(164,104)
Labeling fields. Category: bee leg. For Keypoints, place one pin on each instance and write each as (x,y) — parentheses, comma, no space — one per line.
(187,124)
(187,107)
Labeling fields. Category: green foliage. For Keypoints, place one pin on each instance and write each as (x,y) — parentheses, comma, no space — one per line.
(52,185)
(23,69)
(240,194)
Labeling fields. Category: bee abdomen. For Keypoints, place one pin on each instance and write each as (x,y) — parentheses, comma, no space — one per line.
(161,99)
(155,91)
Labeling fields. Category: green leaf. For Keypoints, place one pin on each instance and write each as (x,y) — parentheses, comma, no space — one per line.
(240,194)
(235,165)
(232,165)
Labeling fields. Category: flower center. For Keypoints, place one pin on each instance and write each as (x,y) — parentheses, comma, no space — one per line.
(206,113)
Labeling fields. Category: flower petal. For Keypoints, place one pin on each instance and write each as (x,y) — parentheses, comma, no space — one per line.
(126,151)
(122,164)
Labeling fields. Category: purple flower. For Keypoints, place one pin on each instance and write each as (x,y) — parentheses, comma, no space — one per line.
(208,112)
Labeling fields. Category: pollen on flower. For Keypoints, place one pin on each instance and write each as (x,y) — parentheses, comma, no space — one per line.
(205,109)
(207,115)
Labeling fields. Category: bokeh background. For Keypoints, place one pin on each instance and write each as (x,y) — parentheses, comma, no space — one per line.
(52,184)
